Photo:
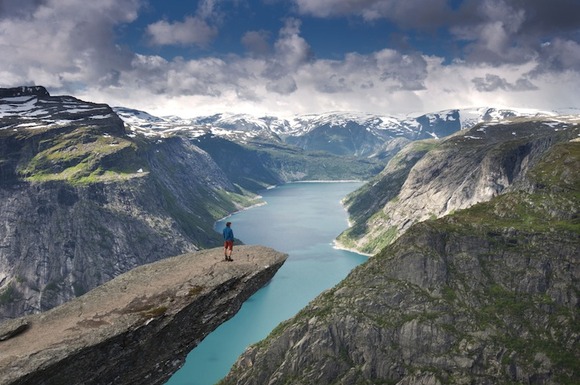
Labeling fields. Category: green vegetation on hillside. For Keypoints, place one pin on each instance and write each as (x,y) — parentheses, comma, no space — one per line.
(82,156)
(257,165)
(552,204)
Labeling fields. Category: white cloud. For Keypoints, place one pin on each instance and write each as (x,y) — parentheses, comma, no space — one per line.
(491,83)
(415,13)
(559,55)
(291,50)
(193,30)
(69,46)
(357,82)
(64,42)
(198,30)
(257,42)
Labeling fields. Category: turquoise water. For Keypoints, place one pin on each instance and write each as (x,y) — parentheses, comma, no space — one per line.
(301,219)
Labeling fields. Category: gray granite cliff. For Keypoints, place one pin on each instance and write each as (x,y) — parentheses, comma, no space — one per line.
(434,178)
(82,200)
(483,296)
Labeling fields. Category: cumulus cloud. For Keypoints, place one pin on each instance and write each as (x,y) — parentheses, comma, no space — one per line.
(257,42)
(198,30)
(18,8)
(61,43)
(559,55)
(291,52)
(512,51)
(493,82)
(406,72)
(491,31)
(193,30)
(283,85)
(514,31)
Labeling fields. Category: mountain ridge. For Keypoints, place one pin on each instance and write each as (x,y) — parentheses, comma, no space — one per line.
(434,178)
(484,295)
(303,124)
(442,303)
(83,201)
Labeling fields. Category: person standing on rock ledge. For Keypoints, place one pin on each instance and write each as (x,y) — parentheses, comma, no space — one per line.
(228,241)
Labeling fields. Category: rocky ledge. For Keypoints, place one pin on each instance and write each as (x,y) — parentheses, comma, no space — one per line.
(137,328)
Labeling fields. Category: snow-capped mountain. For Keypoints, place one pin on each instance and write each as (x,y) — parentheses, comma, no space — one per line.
(237,127)
(342,133)
(226,124)
(33,108)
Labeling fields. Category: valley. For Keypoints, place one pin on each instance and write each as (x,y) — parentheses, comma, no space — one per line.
(471,218)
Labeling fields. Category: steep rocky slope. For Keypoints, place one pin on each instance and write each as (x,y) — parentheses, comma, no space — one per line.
(138,327)
(81,201)
(486,295)
(430,179)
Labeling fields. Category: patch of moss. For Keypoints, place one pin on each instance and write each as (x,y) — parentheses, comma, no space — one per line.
(384,238)
(375,241)
(82,157)
(559,167)
(8,295)
(196,290)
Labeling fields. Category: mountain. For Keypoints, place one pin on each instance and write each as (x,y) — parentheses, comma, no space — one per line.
(118,187)
(252,151)
(86,196)
(339,133)
(474,277)
(483,295)
(82,200)
(430,179)
(335,145)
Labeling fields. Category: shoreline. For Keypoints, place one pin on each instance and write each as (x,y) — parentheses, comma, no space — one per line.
(327,181)
(240,210)
(338,246)
(258,196)
(335,244)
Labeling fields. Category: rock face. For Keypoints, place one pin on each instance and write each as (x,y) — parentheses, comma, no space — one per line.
(138,327)
(486,295)
(81,201)
(434,178)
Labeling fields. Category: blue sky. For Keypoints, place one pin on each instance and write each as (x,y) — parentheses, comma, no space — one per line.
(285,57)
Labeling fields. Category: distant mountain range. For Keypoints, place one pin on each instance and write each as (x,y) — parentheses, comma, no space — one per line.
(341,133)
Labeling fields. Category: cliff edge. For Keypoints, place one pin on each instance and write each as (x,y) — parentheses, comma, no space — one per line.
(138,327)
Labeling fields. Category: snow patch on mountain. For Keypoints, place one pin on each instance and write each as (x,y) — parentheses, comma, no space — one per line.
(244,127)
(36,112)
(31,111)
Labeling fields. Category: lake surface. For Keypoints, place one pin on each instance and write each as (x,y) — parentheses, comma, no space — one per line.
(301,219)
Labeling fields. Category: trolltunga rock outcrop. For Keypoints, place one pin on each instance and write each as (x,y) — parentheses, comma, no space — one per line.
(137,328)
